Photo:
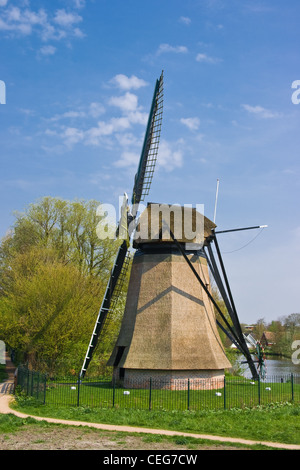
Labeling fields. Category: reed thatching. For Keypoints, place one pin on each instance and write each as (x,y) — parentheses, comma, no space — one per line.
(187,224)
(169,322)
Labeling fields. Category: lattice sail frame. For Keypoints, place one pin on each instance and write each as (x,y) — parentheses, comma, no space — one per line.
(144,175)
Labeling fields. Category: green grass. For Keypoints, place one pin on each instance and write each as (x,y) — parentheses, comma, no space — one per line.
(11,424)
(274,422)
(238,393)
(246,410)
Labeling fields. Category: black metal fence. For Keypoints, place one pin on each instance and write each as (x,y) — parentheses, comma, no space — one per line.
(233,392)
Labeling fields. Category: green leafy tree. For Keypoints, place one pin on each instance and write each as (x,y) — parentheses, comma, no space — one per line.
(48,308)
(68,227)
(53,272)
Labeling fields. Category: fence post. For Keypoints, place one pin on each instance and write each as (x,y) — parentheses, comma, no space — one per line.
(45,387)
(188,390)
(19,376)
(38,386)
(78,390)
(114,390)
(258,383)
(224,392)
(150,392)
(32,376)
(27,384)
(292,383)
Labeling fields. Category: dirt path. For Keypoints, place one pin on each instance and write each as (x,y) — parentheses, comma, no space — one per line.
(5,400)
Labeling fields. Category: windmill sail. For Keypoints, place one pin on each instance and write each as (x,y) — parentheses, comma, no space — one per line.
(110,294)
(144,175)
(141,188)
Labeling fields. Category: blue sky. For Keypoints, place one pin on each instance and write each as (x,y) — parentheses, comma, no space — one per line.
(79,78)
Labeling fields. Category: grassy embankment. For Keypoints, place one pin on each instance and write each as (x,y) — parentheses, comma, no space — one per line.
(275,422)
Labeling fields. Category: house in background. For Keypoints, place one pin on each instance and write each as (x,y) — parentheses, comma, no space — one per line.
(267,339)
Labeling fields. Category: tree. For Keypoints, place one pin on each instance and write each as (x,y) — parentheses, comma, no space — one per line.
(53,273)
(292,324)
(69,228)
(48,308)
(259,328)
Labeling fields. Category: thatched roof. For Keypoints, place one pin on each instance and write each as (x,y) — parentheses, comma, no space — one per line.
(187,224)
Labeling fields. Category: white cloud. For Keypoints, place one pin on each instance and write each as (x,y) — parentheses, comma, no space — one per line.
(22,21)
(22,28)
(79,3)
(127,159)
(66,19)
(169,158)
(191,123)
(72,136)
(259,111)
(27,111)
(128,140)
(14,14)
(96,109)
(126,103)
(93,110)
(207,59)
(48,50)
(128,83)
(94,135)
(185,20)
(118,132)
(103,131)
(3,3)
(68,114)
(138,117)
(77,33)
(50,132)
(167,48)
(25,21)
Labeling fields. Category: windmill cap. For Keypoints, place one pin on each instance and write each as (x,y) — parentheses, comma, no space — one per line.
(186,223)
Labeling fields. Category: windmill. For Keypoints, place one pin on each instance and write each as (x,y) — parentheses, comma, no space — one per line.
(169,328)
(142,183)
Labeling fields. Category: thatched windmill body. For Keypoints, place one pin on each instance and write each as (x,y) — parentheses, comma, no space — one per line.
(169,329)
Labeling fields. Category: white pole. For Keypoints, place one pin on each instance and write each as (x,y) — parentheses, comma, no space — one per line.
(216,201)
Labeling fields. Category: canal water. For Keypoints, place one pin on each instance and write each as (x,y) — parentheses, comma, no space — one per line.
(279,367)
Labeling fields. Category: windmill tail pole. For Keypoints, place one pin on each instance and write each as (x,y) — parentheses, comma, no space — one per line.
(240,229)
